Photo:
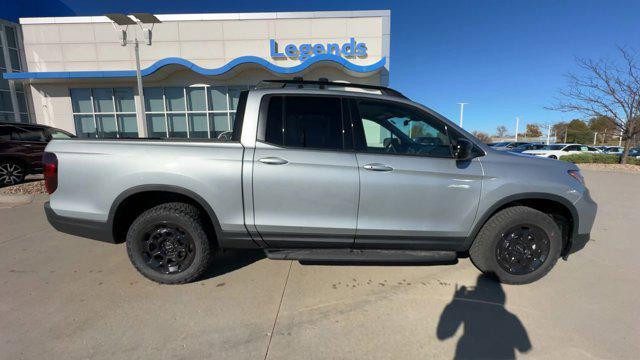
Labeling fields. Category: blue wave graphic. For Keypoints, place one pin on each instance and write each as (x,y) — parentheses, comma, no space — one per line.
(188,64)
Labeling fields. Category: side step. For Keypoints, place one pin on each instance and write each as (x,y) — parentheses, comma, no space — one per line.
(363,256)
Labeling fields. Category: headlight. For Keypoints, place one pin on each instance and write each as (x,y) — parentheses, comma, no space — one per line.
(576,175)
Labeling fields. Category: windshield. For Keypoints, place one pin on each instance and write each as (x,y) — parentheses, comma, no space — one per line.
(553,147)
(505,143)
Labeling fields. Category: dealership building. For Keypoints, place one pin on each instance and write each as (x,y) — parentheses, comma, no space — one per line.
(77,74)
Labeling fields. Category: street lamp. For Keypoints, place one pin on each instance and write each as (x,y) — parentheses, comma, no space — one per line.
(123,21)
(461,111)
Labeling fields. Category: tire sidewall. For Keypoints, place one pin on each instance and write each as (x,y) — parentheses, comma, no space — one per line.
(141,225)
(534,218)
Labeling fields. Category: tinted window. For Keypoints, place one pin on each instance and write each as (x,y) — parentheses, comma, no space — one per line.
(5,133)
(305,121)
(31,134)
(398,129)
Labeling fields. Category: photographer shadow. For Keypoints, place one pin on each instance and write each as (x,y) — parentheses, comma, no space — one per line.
(490,330)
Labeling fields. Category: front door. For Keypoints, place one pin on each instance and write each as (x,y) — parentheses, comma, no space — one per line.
(413,193)
(305,185)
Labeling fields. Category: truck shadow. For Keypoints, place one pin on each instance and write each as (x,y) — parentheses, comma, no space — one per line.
(231,260)
(490,331)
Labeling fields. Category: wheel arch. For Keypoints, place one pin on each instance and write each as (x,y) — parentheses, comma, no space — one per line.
(552,204)
(133,201)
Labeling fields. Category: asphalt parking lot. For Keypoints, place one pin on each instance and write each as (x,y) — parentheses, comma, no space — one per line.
(72,298)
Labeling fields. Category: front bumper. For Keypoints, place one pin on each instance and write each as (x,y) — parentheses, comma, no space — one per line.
(95,230)
(586,210)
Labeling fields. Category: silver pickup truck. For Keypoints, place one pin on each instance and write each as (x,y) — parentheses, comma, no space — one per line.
(321,172)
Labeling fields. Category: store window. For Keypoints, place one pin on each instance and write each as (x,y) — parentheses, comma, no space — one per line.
(10,62)
(200,111)
(104,112)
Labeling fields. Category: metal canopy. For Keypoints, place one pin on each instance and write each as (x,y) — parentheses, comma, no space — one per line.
(146,18)
(120,19)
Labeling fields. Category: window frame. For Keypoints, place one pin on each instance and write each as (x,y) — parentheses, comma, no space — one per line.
(94,114)
(208,112)
(360,139)
(264,111)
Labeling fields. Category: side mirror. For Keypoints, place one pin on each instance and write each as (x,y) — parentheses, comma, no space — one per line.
(463,150)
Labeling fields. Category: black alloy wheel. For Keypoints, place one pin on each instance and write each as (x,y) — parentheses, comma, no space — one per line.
(167,248)
(10,173)
(522,249)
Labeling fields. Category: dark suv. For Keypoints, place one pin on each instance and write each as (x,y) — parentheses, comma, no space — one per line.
(21,149)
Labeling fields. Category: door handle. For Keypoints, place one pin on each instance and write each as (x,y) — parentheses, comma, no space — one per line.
(378,167)
(273,161)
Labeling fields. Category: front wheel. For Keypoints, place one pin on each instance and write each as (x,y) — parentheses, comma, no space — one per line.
(11,173)
(168,244)
(518,245)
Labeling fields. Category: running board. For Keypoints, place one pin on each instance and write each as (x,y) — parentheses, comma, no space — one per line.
(363,256)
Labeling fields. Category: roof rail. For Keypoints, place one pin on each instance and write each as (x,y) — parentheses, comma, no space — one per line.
(323,82)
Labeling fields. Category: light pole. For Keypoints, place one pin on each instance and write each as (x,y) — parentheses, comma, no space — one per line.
(517,123)
(595,137)
(548,133)
(462,111)
(124,21)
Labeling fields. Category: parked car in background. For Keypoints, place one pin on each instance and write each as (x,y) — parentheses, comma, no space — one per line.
(21,149)
(554,151)
(508,145)
(615,150)
(525,147)
(635,152)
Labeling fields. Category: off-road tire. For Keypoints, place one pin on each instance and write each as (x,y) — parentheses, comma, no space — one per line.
(483,249)
(188,218)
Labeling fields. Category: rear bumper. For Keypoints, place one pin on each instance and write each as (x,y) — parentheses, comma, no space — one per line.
(90,229)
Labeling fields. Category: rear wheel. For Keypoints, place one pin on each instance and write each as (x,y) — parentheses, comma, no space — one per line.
(168,244)
(518,245)
(11,173)
(553,157)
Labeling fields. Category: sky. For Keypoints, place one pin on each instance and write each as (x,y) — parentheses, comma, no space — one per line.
(503,58)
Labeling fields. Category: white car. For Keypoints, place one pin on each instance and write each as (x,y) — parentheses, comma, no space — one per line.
(554,151)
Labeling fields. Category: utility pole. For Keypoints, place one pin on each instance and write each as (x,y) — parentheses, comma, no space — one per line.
(595,134)
(462,111)
(517,124)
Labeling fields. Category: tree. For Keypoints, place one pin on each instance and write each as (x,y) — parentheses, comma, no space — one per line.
(533,130)
(602,125)
(606,88)
(560,130)
(578,132)
(501,131)
(482,136)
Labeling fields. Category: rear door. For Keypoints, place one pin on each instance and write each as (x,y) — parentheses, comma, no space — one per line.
(413,193)
(305,175)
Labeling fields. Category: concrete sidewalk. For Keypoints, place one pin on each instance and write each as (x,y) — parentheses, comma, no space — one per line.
(72,298)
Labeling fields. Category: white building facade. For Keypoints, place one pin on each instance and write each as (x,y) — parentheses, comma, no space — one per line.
(80,78)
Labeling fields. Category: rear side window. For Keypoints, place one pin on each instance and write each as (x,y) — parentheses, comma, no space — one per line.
(305,122)
(30,134)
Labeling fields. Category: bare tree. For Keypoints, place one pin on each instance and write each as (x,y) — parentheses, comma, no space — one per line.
(606,88)
(501,131)
(482,136)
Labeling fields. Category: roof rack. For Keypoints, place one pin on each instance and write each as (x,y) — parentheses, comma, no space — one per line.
(324,82)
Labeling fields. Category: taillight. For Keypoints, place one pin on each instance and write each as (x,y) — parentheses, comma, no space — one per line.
(50,162)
